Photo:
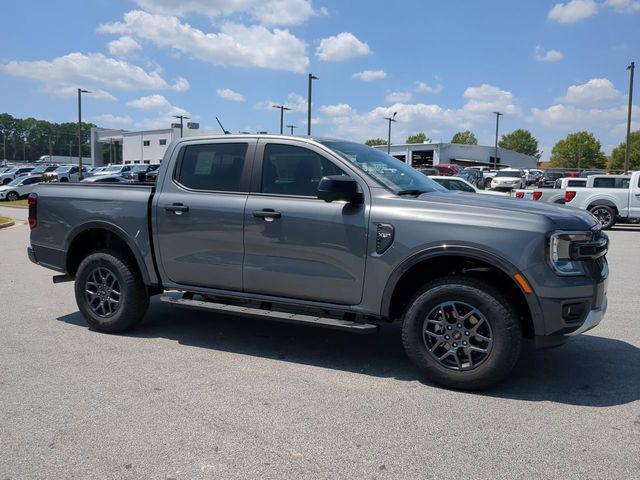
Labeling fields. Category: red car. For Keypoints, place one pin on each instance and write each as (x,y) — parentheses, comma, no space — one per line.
(447,169)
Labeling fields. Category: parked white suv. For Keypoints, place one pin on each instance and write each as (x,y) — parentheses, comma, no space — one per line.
(14,173)
(19,187)
(508,179)
(67,173)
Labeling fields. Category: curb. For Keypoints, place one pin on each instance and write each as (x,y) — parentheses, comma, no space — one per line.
(8,224)
(14,206)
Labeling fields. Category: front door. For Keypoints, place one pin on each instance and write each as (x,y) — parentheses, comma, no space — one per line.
(200,214)
(634,197)
(296,245)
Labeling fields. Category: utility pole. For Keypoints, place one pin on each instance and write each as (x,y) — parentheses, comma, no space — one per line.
(390,120)
(80,92)
(282,109)
(50,149)
(4,148)
(495,154)
(291,127)
(631,69)
(70,150)
(181,117)
(311,79)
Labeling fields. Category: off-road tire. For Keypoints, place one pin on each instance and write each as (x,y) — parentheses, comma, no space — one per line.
(501,315)
(133,301)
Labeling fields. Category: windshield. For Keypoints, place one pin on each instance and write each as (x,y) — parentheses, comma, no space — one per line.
(17,181)
(114,168)
(507,173)
(63,169)
(12,170)
(389,171)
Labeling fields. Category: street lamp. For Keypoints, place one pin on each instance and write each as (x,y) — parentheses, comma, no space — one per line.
(80,92)
(631,69)
(282,109)
(495,154)
(291,127)
(311,79)
(4,148)
(390,119)
(181,117)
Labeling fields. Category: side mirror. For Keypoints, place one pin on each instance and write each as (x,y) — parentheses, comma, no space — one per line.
(339,188)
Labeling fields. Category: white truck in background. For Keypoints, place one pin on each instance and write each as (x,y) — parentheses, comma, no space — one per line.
(551,195)
(610,198)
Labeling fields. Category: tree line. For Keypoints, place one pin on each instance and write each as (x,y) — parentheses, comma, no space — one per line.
(29,138)
(581,150)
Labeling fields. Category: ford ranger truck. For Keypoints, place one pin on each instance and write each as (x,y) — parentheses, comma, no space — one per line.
(329,233)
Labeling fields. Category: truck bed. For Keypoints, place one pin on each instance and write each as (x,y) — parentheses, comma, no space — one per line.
(65,209)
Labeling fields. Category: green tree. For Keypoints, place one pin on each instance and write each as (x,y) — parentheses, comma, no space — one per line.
(417,138)
(520,141)
(616,161)
(466,138)
(578,150)
(375,141)
(29,138)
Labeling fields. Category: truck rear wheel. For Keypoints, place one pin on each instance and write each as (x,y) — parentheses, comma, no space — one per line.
(110,293)
(462,333)
(605,215)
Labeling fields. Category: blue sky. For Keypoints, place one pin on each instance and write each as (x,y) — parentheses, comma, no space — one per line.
(550,67)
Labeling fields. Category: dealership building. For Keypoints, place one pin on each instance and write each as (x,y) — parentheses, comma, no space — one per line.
(428,154)
(109,146)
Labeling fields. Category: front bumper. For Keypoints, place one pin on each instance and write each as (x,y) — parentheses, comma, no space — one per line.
(593,319)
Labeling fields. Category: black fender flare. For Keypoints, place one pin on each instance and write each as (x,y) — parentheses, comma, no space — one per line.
(484,255)
(116,230)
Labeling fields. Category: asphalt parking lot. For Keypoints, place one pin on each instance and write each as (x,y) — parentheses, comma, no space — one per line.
(189,395)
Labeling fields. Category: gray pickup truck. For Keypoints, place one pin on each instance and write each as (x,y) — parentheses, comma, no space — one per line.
(328,233)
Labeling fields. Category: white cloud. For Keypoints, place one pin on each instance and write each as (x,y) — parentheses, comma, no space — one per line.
(398,97)
(93,71)
(228,94)
(424,88)
(338,110)
(341,47)
(235,45)
(150,102)
(596,91)
(266,12)
(623,6)
(370,75)
(109,119)
(123,46)
(542,55)
(573,11)
(487,99)
(295,101)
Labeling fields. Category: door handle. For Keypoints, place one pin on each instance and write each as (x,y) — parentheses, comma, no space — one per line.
(268,214)
(177,208)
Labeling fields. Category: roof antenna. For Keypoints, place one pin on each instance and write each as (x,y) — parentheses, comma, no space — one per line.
(226,132)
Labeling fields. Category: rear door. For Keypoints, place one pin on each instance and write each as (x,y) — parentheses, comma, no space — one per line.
(634,196)
(200,213)
(296,245)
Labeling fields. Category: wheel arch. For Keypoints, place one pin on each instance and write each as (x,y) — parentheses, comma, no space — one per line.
(603,202)
(97,235)
(437,262)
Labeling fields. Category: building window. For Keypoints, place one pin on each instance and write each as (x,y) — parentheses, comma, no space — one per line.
(146,143)
(163,141)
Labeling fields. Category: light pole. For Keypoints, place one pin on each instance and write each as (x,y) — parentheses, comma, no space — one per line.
(631,69)
(495,154)
(4,148)
(282,109)
(311,79)
(80,92)
(181,117)
(390,119)
(291,127)
(50,149)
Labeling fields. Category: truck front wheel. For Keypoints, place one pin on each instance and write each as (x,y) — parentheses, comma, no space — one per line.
(109,292)
(462,333)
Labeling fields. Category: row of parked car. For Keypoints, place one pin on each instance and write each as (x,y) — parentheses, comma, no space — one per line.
(18,181)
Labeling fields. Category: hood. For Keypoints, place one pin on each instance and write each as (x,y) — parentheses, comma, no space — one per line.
(564,218)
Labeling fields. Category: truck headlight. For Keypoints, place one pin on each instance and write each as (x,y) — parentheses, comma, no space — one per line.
(561,252)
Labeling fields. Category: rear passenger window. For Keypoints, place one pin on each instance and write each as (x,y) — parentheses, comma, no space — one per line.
(291,170)
(604,182)
(214,166)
